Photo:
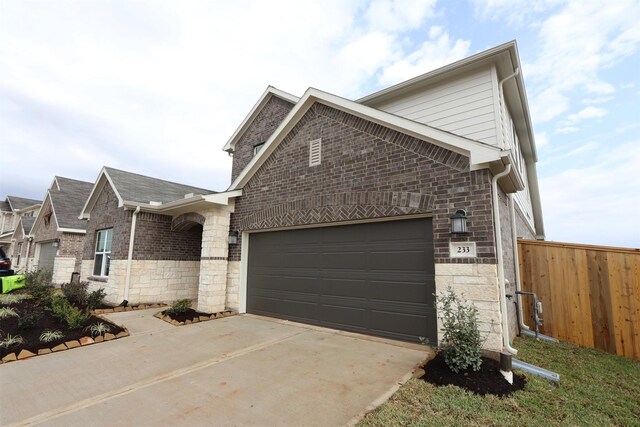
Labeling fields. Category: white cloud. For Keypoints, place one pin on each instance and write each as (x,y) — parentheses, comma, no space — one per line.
(596,100)
(629,85)
(398,15)
(567,129)
(437,51)
(586,114)
(541,139)
(577,43)
(158,87)
(595,204)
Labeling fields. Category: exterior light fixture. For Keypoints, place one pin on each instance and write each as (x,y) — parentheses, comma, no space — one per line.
(233,237)
(459,222)
(55,243)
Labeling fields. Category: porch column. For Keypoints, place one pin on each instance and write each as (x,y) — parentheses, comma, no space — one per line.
(212,289)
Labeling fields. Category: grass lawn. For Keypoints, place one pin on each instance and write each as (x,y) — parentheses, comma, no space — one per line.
(595,389)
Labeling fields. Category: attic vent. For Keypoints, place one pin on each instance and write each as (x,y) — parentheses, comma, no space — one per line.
(188,195)
(315,148)
(152,203)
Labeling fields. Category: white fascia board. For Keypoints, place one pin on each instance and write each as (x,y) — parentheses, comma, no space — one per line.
(477,152)
(264,98)
(215,198)
(222,198)
(55,182)
(72,230)
(28,208)
(103,177)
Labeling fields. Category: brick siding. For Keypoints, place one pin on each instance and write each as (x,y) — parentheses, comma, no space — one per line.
(154,238)
(367,171)
(265,123)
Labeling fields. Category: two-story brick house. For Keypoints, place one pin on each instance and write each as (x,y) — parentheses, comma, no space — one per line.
(352,214)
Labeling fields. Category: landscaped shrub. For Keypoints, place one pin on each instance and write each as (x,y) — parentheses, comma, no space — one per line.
(96,298)
(8,312)
(11,340)
(66,312)
(29,320)
(48,336)
(38,285)
(461,344)
(180,306)
(99,328)
(76,293)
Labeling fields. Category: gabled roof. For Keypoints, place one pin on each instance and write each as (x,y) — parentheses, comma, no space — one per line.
(477,152)
(5,206)
(264,98)
(27,224)
(135,189)
(20,203)
(67,199)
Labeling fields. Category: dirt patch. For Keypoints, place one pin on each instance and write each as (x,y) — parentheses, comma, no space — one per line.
(190,316)
(488,380)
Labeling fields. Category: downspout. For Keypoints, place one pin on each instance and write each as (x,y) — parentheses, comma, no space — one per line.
(130,255)
(498,235)
(516,262)
(502,101)
(26,263)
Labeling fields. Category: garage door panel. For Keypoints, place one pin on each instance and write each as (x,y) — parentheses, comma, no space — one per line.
(343,287)
(407,292)
(374,278)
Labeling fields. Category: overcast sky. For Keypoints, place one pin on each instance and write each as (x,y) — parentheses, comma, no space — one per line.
(158,87)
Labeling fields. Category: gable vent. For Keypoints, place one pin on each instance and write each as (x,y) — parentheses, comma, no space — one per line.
(315,149)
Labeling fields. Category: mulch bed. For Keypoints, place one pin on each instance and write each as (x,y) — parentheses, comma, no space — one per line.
(190,316)
(488,380)
(31,336)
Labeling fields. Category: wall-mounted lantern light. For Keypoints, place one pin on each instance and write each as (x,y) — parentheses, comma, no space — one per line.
(233,237)
(459,222)
(56,243)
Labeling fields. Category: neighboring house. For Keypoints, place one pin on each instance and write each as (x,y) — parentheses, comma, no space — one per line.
(144,242)
(58,234)
(11,210)
(340,212)
(22,241)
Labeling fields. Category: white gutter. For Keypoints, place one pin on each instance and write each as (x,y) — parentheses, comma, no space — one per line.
(516,261)
(502,101)
(498,237)
(127,281)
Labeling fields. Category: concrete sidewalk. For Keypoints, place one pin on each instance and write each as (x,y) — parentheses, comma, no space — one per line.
(240,370)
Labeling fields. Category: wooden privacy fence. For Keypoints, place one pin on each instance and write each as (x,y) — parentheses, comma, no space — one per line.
(590,294)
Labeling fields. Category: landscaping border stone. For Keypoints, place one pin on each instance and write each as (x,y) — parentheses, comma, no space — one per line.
(120,309)
(84,341)
(202,318)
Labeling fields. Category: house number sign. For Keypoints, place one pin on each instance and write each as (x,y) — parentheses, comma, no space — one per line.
(462,250)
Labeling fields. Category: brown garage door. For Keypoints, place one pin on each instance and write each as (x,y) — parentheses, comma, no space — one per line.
(372,278)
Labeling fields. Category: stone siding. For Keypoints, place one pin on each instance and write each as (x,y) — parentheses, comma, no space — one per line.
(63,267)
(478,284)
(212,292)
(233,285)
(151,281)
(265,123)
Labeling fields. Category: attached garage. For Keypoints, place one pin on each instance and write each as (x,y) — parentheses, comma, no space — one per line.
(47,254)
(372,278)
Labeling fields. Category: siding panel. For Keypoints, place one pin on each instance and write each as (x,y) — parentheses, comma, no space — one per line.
(464,106)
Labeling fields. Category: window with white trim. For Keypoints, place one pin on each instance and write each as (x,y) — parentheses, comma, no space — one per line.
(19,254)
(103,252)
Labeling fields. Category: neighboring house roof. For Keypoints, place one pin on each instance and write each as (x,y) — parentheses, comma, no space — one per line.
(5,206)
(153,194)
(266,96)
(67,199)
(19,203)
(477,152)
(27,224)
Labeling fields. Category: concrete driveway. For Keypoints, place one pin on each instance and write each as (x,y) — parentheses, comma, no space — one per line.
(242,370)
